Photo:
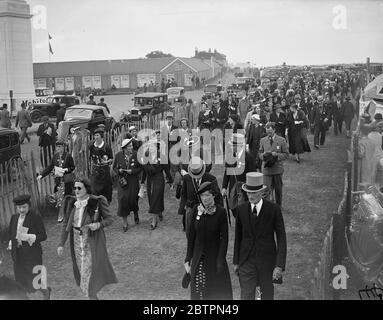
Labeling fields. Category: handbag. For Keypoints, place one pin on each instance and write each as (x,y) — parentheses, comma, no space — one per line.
(122,181)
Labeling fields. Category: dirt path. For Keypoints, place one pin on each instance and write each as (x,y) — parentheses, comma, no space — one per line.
(149,264)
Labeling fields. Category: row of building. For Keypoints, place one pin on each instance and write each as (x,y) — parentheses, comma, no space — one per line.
(126,74)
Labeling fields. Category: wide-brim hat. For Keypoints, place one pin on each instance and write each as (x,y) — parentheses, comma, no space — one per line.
(169,115)
(197,168)
(125,142)
(131,128)
(237,139)
(254,182)
(205,186)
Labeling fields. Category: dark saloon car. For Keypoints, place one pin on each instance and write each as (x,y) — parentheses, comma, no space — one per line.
(9,146)
(86,116)
(50,107)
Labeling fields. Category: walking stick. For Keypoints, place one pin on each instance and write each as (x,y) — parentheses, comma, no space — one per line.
(228,209)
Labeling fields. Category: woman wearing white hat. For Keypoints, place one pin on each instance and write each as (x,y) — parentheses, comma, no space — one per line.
(128,169)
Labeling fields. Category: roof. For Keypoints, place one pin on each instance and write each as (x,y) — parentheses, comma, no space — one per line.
(7,130)
(99,67)
(196,65)
(150,95)
(86,106)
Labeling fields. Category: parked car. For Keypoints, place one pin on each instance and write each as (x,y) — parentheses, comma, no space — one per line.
(215,88)
(175,93)
(151,103)
(86,116)
(10,153)
(50,107)
(133,115)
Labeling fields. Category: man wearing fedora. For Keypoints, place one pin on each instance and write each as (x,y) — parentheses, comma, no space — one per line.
(260,241)
(191,182)
(273,151)
(279,118)
(47,139)
(320,121)
(170,135)
(236,167)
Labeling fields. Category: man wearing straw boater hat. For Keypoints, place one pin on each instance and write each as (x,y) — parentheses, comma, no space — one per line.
(191,182)
(260,241)
(235,171)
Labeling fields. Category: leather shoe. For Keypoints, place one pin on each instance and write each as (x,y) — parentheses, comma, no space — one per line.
(125,228)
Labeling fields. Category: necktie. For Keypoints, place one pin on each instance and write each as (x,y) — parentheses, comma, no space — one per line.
(271,140)
(255,212)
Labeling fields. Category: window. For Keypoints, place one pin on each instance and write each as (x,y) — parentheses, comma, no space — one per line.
(4,142)
(14,139)
(98,114)
(149,102)
(162,99)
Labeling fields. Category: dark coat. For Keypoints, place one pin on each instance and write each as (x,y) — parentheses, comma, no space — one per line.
(155,186)
(44,138)
(209,238)
(56,162)
(205,121)
(188,195)
(102,270)
(127,196)
(60,114)
(348,110)
(318,116)
(26,257)
(221,117)
(23,119)
(256,236)
(337,110)
(253,139)
(280,123)
(298,143)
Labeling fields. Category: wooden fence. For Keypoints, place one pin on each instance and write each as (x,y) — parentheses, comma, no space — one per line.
(19,176)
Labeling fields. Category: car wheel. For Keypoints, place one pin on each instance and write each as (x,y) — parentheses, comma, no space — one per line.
(36,117)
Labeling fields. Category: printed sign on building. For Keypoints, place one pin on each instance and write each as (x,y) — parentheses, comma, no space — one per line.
(59,84)
(96,81)
(115,81)
(145,78)
(41,83)
(69,84)
(188,80)
(125,83)
(87,82)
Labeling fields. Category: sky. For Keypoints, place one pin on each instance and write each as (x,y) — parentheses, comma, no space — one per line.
(262,32)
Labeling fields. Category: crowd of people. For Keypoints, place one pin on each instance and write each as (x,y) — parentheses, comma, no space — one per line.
(259,132)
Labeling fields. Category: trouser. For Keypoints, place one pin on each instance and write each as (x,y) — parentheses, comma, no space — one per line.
(319,135)
(251,275)
(188,218)
(338,126)
(348,124)
(274,183)
(24,134)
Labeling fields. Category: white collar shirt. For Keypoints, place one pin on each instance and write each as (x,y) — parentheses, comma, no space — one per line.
(258,206)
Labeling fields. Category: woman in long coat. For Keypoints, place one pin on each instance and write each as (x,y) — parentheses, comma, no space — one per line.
(128,169)
(25,233)
(85,217)
(155,185)
(207,249)
(297,132)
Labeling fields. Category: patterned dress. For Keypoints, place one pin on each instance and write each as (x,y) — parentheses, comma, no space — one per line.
(82,247)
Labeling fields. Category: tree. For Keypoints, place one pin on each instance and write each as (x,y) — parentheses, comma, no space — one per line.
(158,54)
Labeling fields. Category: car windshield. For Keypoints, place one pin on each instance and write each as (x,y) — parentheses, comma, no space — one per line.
(212,87)
(78,113)
(174,92)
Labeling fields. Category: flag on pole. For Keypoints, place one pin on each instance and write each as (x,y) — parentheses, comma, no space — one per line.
(49,40)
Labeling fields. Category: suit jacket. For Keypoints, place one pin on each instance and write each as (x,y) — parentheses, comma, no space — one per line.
(280,123)
(68,163)
(318,116)
(23,119)
(348,110)
(255,236)
(5,121)
(221,117)
(189,197)
(337,110)
(35,225)
(280,147)
(46,139)
(253,138)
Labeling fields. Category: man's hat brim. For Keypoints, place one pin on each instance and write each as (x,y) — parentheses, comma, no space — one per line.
(252,189)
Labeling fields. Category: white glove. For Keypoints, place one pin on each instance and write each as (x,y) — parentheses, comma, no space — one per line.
(183,172)
(60,251)
(39,177)
(187,267)
(94,226)
(9,245)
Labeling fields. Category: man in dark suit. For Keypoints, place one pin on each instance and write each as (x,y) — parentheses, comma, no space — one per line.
(221,116)
(319,120)
(24,121)
(253,138)
(60,115)
(259,259)
(240,163)
(170,134)
(348,114)
(337,114)
(196,176)
(47,138)
(279,118)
